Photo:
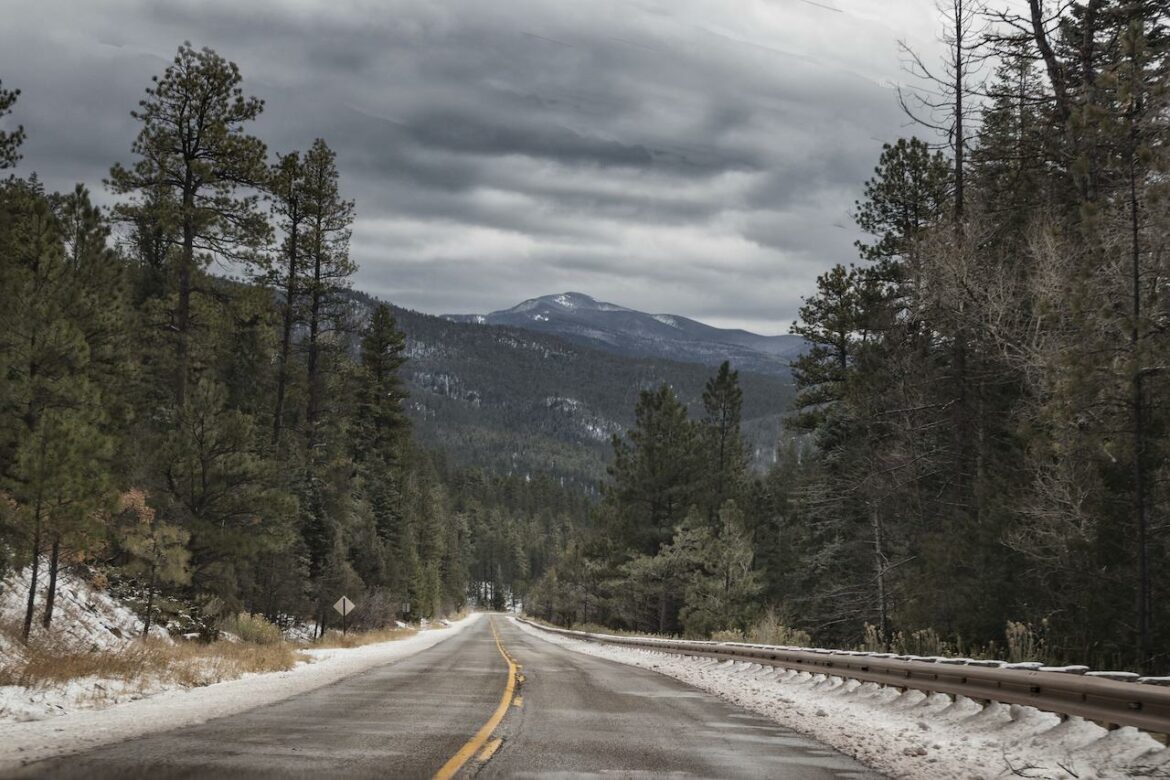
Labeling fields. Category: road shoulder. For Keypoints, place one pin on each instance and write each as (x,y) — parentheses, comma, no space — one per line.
(24,743)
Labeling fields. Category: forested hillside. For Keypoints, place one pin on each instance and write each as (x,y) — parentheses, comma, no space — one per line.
(514,401)
(212,445)
(980,463)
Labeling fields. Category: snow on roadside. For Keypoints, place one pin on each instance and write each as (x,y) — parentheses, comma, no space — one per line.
(22,743)
(907,735)
(85,619)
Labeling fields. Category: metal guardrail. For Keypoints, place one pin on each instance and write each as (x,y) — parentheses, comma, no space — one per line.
(1143,703)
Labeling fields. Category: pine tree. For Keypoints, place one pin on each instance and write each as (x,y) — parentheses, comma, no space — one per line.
(192,144)
(909,192)
(56,462)
(722,582)
(218,484)
(726,459)
(158,550)
(328,220)
(843,318)
(655,472)
(287,189)
(381,419)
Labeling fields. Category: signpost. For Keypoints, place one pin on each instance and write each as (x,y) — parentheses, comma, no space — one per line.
(344,606)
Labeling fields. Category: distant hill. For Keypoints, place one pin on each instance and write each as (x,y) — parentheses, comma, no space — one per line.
(622,331)
(521,401)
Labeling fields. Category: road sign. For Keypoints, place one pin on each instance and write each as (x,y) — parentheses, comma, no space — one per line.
(344,606)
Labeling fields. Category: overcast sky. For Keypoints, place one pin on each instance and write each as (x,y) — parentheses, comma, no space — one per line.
(697,157)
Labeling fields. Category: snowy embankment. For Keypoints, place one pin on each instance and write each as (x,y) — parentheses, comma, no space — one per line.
(84,617)
(85,620)
(24,742)
(910,734)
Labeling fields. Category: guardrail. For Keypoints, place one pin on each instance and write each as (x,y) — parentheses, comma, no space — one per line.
(1110,698)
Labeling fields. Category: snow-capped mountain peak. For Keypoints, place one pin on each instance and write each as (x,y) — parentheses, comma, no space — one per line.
(586,320)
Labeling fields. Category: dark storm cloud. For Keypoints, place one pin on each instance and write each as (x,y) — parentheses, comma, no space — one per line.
(692,156)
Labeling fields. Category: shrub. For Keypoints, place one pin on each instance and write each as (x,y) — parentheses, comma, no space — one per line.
(251,627)
(1024,643)
(768,630)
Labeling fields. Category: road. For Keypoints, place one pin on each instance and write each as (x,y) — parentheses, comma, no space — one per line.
(491,701)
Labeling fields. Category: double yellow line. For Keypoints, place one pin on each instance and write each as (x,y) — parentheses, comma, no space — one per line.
(456,762)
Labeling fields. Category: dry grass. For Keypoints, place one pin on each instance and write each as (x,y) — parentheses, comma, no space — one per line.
(359,638)
(144,663)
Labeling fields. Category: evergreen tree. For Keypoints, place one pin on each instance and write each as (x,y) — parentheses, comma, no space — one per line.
(726,460)
(192,144)
(158,550)
(328,220)
(56,461)
(218,485)
(381,420)
(287,188)
(655,472)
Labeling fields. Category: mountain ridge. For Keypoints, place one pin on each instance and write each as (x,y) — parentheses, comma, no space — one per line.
(582,319)
(518,401)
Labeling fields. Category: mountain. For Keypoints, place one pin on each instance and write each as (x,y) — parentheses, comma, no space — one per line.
(584,320)
(514,400)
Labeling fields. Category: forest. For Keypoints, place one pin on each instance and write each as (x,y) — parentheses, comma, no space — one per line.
(195,406)
(976,460)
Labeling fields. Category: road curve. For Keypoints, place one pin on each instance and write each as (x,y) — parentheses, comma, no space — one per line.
(570,715)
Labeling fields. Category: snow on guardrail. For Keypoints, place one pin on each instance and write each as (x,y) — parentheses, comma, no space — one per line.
(1111,699)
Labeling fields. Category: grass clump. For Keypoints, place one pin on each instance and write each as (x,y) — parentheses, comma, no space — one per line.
(137,664)
(335,638)
(768,630)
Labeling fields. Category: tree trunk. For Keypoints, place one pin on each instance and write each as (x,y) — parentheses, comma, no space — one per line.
(1051,64)
(1141,508)
(313,409)
(183,309)
(662,610)
(290,291)
(149,602)
(36,565)
(51,596)
(959,86)
(879,560)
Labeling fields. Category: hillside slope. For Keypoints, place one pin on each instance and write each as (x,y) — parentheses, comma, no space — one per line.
(523,402)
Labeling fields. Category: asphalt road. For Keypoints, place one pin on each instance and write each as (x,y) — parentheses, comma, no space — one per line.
(571,715)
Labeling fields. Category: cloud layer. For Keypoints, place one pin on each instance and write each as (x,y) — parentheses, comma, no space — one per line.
(686,156)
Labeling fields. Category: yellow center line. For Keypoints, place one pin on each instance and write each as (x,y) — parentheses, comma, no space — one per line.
(456,762)
(489,750)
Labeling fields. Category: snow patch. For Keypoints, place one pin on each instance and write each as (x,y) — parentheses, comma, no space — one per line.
(666,319)
(910,735)
(84,617)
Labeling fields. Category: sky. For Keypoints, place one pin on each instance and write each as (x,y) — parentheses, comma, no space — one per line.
(694,157)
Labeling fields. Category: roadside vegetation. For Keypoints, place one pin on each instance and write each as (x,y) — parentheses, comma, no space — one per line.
(146,664)
(976,460)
